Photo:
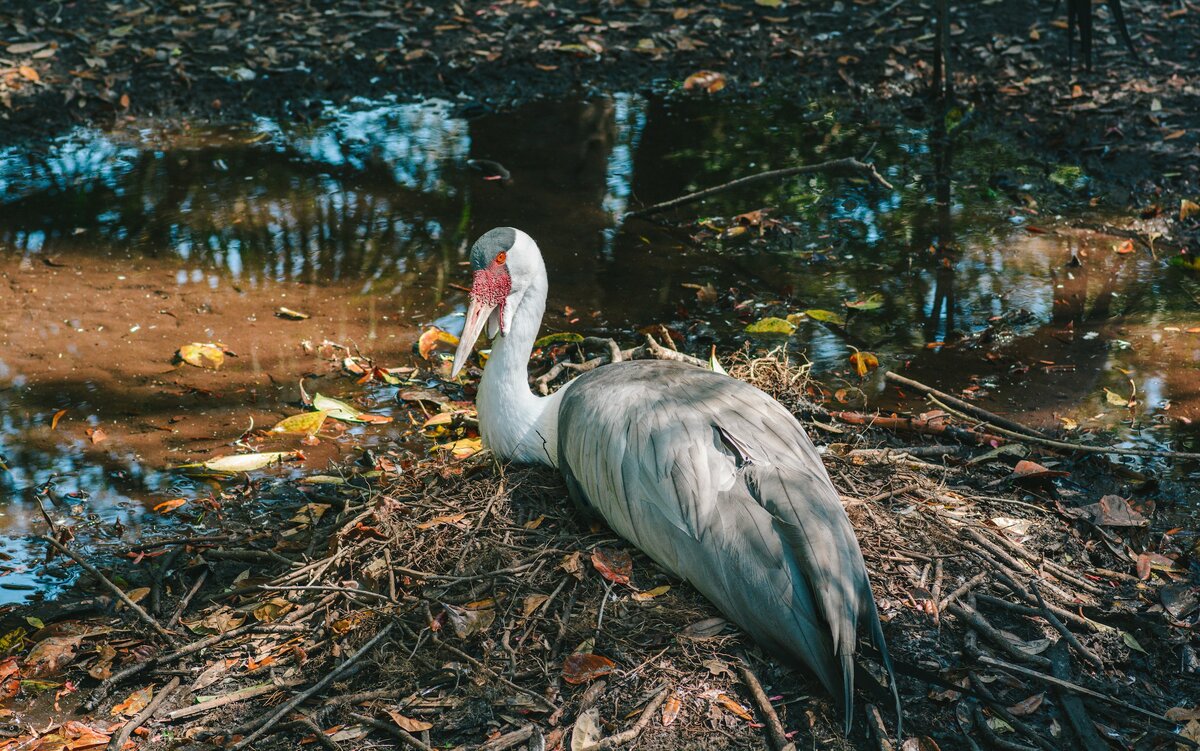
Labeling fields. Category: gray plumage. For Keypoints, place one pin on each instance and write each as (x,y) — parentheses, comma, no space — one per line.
(490,244)
(720,485)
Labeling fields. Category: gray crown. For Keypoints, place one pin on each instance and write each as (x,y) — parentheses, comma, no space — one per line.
(490,244)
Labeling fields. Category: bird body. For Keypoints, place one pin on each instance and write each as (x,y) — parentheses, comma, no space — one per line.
(710,477)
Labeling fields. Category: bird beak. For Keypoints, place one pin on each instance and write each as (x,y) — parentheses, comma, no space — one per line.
(477,316)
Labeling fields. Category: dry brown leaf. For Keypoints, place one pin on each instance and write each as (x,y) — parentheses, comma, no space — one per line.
(135,702)
(732,705)
(409,724)
(438,521)
(614,564)
(671,709)
(582,667)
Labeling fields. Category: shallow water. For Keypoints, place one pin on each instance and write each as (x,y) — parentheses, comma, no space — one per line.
(118,247)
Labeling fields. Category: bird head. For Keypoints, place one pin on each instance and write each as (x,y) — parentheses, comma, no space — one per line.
(504,261)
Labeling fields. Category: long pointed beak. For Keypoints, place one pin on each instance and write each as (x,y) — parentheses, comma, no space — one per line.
(477,316)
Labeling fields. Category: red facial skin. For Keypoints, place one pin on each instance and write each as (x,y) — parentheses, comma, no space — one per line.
(491,287)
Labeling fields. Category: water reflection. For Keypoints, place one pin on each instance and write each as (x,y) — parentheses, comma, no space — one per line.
(364,218)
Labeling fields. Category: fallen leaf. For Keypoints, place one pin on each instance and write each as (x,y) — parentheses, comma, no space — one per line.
(704,80)
(462,448)
(864,363)
(671,709)
(705,629)
(1183,714)
(1131,642)
(1110,511)
(291,315)
(167,507)
(873,302)
(29,74)
(101,669)
(733,706)
(50,655)
(218,622)
(582,667)
(25,48)
(212,674)
(586,732)
(1027,470)
(469,621)
(409,724)
(438,521)
(614,564)
(1116,399)
(203,355)
(563,337)
(572,563)
(1027,706)
(532,603)
(652,593)
(57,416)
(135,702)
(273,609)
(825,316)
(1125,247)
(237,463)
(96,435)
(771,326)
(340,410)
(306,423)
(431,338)
(1188,208)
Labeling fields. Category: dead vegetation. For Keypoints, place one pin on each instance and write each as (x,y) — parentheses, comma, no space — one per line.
(467,605)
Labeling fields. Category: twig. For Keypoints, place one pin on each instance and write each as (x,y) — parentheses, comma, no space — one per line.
(549,705)
(119,740)
(1001,711)
(965,406)
(234,697)
(326,742)
(393,730)
(1072,705)
(1058,625)
(318,687)
(1069,686)
(625,736)
(1078,447)
(935,426)
(137,609)
(975,620)
(878,729)
(993,739)
(962,589)
(848,165)
(327,588)
(179,611)
(774,726)
(508,740)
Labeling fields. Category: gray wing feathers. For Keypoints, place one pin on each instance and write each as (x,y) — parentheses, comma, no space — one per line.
(719,484)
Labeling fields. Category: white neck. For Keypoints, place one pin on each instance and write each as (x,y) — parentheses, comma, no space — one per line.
(516,424)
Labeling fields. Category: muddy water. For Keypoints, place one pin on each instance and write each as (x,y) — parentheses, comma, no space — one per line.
(118,247)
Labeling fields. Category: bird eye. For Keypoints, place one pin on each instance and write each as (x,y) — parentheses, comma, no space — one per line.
(501,257)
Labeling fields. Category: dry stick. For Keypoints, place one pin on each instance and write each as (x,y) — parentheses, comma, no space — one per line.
(964,406)
(179,611)
(1060,571)
(632,733)
(885,495)
(975,620)
(935,426)
(508,740)
(1000,710)
(774,726)
(879,730)
(234,697)
(549,705)
(326,742)
(317,688)
(395,731)
(1061,628)
(137,609)
(1085,623)
(1077,447)
(141,718)
(100,693)
(966,587)
(1071,704)
(1069,686)
(994,740)
(848,165)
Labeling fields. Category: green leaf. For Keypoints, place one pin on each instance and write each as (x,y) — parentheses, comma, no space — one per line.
(1131,642)
(307,423)
(563,337)
(825,316)
(34,621)
(773,326)
(873,302)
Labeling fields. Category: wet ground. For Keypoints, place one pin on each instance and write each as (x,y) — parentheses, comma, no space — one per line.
(118,247)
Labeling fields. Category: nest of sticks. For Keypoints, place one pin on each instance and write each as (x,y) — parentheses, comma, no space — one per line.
(467,605)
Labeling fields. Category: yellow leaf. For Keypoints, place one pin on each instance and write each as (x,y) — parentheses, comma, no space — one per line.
(864,362)
(1187,208)
(825,316)
(291,315)
(340,410)
(706,80)
(650,594)
(306,423)
(209,355)
(1115,399)
(771,326)
(29,74)
(461,449)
